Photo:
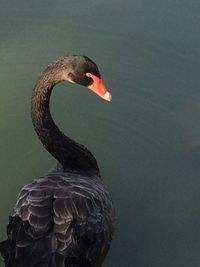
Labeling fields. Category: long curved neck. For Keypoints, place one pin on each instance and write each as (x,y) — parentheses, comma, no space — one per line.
(73,156)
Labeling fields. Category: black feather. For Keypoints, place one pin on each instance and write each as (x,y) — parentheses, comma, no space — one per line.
(65,218)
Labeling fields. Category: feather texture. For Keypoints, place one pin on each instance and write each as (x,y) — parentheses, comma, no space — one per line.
(67,215)
(65,218)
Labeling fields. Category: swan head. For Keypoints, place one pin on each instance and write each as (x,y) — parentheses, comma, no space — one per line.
(82,70)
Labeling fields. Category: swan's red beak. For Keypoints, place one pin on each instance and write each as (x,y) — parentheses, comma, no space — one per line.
(98,87)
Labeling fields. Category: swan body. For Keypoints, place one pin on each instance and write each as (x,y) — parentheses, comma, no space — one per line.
(64,218)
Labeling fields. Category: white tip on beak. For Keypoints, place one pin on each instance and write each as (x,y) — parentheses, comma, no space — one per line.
(107,96)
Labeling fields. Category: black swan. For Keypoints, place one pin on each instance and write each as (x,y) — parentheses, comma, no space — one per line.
(64,218)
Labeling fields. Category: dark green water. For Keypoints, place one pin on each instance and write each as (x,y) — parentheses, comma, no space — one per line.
(147,141)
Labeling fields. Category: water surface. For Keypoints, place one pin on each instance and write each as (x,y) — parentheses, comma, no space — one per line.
(147,141)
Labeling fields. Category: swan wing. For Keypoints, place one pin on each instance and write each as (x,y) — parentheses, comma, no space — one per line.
(75,214)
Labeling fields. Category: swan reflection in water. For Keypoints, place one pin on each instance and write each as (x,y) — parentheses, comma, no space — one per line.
(64,218)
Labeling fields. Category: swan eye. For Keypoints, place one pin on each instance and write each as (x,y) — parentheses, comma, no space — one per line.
(95,79)
(88,74)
